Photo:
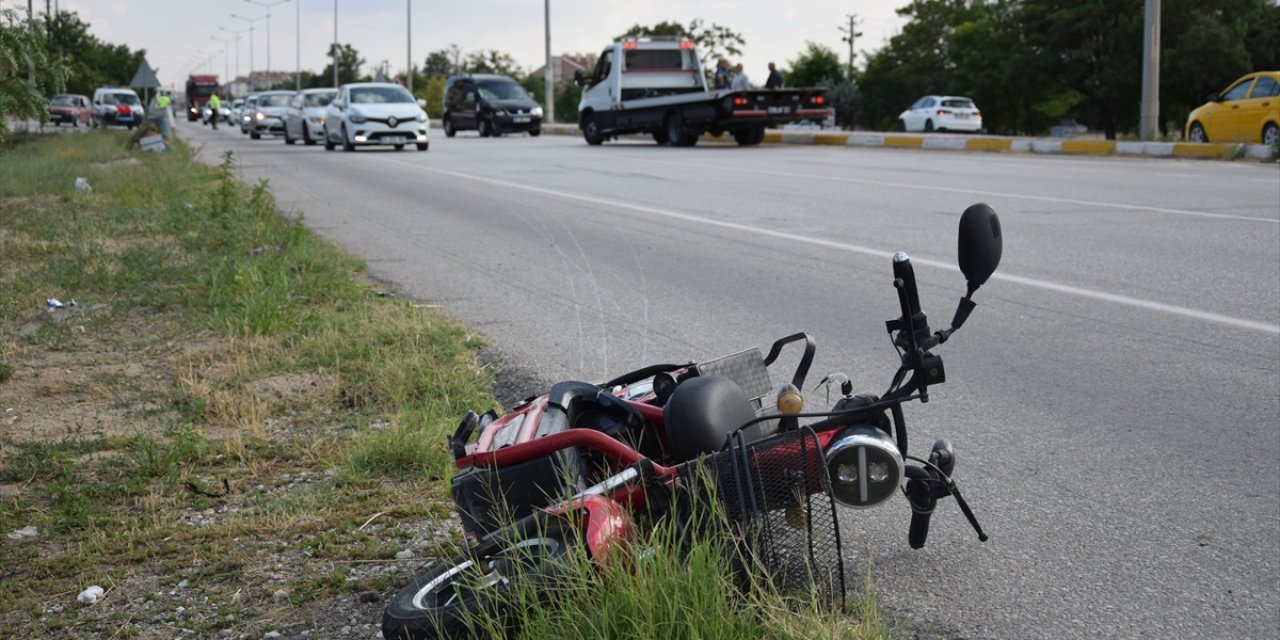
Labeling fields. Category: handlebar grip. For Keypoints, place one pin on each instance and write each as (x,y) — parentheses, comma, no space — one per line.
(919,531)
(903,270)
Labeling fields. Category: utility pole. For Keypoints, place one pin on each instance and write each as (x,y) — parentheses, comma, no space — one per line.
(408,18)
(1150,108)
(549,75)
(851,34)
(335,44)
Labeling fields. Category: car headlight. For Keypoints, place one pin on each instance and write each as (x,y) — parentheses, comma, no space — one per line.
(422,116)
(537,111)
(500,112)
(355,116)
(260,116)
(317,119)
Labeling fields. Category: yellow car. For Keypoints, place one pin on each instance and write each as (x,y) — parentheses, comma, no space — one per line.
(1248,111)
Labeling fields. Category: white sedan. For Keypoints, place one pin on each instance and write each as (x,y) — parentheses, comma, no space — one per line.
(375,113)
(941,113)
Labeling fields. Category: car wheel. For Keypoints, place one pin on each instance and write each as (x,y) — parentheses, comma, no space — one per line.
(423,146)
(660,137)
(1197,133)
(449,131)
(307,139)
(328,141)
(533,133)
(399,147)
(591,131)
(1271,134)
(346,142)
(486,129)
(677,133)
(255,135)
(928,125)
(287,139)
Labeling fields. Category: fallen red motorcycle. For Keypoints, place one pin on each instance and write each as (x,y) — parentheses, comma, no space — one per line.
(576,465)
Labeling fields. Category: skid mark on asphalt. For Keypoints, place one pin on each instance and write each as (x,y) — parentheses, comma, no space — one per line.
(1185,312)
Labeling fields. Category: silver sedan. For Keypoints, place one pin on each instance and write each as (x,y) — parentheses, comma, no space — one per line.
(304,120)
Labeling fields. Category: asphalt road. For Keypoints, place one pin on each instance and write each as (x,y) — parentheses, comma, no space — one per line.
(1114,399)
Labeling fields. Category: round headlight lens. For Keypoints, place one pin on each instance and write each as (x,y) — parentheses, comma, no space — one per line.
(864,465)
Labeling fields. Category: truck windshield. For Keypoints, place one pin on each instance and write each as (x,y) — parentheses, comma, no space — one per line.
(501,90)
(202,90)
(672,59)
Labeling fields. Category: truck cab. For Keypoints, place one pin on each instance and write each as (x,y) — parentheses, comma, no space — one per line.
(656,85)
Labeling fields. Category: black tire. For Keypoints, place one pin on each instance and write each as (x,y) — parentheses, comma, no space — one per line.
(1271,134)
(306,135)
(928,126)
(677,134)
(287,139)
(591,131)
(328,142)
(131,126)
(902,125)
(255,135)
(485,127)
(347,145)
(423,146)
(437,604)
(533,133)
(449,131)
(1197,134)
(660,137)
(399,147)
(749,137)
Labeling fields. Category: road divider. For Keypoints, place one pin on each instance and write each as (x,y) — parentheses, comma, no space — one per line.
(960,142)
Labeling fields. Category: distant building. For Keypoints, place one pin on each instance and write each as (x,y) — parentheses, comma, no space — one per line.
(565,65)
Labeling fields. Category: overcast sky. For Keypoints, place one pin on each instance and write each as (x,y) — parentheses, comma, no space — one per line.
(178,34)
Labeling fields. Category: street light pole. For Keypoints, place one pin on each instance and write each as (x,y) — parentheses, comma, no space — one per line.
(548,75)
(408,15)
(1149,116)
(297,46)
(237,34)
(267,6)
(335,43)
(253,78)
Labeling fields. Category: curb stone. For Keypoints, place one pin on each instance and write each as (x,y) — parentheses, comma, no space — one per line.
(951,142)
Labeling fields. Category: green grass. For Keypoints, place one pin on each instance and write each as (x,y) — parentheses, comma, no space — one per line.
(257,354)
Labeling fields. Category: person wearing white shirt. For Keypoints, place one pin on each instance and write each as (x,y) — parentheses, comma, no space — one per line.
(740,81)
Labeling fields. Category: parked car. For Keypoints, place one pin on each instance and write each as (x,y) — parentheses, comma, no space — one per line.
(941,113)
(267,117)
(246,112)
(304,119)
(71,108)
(491,104)
(1248,111)
(375,113)
(118,106)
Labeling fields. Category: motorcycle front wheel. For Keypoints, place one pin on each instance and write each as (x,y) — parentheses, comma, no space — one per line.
(454,599)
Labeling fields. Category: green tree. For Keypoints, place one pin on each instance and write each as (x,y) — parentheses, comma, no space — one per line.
(443,63)
(492,61)
(349,63)
(29,71)
(90,63)
(816,66)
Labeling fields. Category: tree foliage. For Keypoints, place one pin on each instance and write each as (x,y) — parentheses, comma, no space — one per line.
(349,64)
(1029,63)
(816,66)
(29,70)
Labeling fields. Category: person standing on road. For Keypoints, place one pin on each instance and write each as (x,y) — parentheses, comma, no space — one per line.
(775,78)
(215,103)
(721,78)
(740,80)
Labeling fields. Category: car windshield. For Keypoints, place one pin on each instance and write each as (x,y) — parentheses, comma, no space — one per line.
(501,90)
(958,103)
(380,95)
(62,101)
(319,99)
(119,98)
(276,100)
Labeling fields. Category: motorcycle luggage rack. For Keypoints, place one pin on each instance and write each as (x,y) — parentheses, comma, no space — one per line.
(747,368)
(776,497)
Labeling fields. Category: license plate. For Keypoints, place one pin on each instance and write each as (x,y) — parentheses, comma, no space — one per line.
(393,140)
(520,119)
(962,116)
(780,110)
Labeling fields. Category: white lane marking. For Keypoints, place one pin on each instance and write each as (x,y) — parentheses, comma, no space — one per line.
(1150,305)
(976,192)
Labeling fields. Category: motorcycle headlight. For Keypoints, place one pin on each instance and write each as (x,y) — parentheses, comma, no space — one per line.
(537,111)
(864,465)
(355,116)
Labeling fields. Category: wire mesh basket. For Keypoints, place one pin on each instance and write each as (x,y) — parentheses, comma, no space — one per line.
(776,497)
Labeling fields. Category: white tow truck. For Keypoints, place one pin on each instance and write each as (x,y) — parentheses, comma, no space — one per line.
(656,85)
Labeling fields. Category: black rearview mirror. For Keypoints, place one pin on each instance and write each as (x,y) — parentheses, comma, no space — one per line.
(980,244)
